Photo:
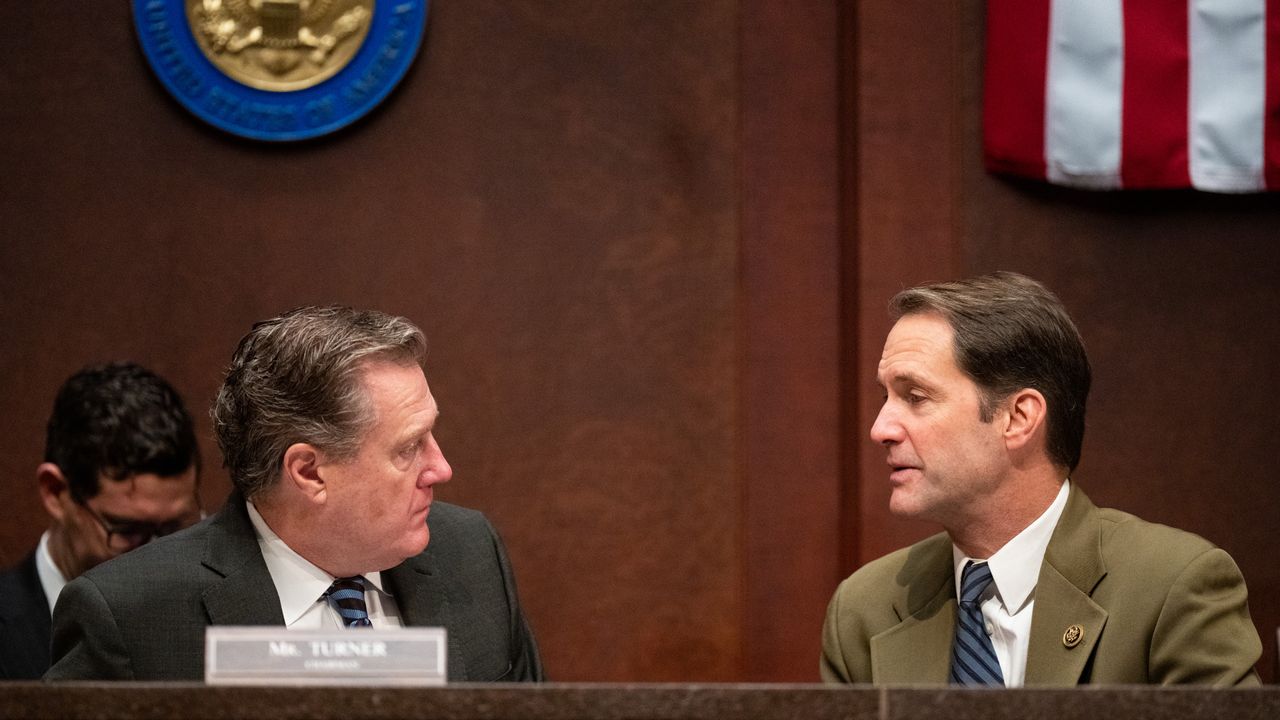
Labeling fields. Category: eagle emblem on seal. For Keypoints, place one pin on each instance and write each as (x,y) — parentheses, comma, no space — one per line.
(279,45)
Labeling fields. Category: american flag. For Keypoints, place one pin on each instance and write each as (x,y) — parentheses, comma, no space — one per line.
(1109,94)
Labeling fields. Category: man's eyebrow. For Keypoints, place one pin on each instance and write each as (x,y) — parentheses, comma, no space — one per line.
(419,430)
(905,377)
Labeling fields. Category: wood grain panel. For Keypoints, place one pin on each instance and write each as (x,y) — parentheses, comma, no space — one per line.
(906,206)
(791,333)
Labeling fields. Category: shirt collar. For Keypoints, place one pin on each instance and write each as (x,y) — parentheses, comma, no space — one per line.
(299,583)
(51,578)
(1015,568)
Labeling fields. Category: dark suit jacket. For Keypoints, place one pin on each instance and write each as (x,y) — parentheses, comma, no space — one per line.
(1157,605)
(24,623)
(142,616)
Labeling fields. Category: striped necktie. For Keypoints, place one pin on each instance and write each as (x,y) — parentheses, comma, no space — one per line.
(973,658)
(346,596)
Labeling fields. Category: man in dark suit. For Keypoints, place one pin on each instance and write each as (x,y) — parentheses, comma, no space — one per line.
(985,382)
(326,424)
(119,468)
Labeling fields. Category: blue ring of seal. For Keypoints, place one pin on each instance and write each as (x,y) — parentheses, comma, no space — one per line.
(395,33)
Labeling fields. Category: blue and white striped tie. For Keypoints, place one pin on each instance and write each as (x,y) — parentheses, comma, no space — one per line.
(973,658)
(346,596)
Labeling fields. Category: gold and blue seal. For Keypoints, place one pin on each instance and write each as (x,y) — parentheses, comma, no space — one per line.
(280,70)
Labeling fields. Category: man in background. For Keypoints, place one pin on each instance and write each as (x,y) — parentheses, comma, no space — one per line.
(985,382)
(327,428)
(120,468)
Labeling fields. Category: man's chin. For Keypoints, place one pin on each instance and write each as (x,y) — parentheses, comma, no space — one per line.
(415,545)
(903,505)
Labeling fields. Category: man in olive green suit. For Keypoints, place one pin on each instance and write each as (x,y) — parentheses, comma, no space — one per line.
(985,385)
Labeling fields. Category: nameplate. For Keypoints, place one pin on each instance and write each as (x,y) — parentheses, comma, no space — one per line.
(358,656)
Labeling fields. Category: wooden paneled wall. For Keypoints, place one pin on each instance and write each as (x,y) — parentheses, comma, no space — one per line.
(651,245)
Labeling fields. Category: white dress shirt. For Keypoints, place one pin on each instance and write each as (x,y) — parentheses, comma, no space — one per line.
(1008,603)
(51,578)
(301,586)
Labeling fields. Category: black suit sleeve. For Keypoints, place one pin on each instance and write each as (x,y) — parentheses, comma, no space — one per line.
(87,644)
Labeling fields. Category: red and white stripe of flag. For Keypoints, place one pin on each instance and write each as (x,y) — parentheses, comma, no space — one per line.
(1135,93)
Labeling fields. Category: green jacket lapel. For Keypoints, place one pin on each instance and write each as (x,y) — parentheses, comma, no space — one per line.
(918,649)
(1072,568)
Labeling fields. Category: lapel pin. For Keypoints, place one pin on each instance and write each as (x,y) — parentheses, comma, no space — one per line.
(1072,636)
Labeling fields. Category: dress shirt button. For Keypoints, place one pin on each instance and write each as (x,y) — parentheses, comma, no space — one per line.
(991,629)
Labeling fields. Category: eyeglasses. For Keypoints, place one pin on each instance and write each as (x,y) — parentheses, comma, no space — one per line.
(125,536)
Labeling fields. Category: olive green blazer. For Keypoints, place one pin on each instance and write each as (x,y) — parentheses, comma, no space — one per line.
(1157,605)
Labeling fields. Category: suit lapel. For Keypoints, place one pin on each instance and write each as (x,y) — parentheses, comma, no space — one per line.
(423,601)
(246,594)
(918,649)
(1072,568)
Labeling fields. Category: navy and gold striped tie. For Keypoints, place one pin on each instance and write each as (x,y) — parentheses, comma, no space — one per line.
(973,657)
(346,596)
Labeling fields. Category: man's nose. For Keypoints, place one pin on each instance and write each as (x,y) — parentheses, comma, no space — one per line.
(437,469)
(886,430)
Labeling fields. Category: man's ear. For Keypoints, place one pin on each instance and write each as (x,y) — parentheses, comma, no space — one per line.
(1027,412)
(301,468)
(54,490)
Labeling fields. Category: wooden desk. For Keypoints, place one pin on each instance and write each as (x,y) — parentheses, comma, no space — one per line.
(146,701)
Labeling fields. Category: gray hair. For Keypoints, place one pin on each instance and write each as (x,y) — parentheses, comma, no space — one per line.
(1011,333)
(296,378)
